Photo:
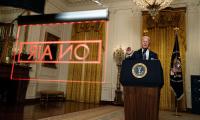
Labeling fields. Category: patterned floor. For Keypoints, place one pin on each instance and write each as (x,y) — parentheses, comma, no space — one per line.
(116,113)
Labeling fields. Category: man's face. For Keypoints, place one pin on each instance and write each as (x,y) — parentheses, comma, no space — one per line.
(145,42)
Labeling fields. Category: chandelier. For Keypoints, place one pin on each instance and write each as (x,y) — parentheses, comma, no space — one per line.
(153,6)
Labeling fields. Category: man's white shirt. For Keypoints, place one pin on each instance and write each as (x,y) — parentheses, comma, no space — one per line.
(147,54)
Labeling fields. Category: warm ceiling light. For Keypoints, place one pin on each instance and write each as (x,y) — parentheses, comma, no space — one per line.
(153,6)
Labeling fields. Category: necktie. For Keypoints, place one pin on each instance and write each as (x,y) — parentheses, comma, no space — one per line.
(144,54)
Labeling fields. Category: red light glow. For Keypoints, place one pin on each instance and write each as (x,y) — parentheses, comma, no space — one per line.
(36,52)
(69,53)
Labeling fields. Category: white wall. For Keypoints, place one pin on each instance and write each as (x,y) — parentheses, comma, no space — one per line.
(193,49)
(9,14)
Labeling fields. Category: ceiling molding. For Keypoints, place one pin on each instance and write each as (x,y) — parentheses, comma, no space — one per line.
(89,2)
(186,2)
(59,4)
(10,10)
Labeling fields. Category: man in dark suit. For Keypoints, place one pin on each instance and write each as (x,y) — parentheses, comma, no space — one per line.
(144,53)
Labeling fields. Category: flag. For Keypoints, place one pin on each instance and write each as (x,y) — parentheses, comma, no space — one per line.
(176,78)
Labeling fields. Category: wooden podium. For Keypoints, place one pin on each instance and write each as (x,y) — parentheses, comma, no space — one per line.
(141,89)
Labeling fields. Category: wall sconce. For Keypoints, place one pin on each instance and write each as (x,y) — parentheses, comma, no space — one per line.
(119,56)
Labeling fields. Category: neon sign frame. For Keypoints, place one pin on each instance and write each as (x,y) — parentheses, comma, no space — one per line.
(74,62)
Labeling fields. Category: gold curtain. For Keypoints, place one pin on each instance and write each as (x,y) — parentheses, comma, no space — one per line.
(89,92)
(162,34)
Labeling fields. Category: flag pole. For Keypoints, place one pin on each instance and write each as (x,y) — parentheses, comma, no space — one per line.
(176,29)
(176,107)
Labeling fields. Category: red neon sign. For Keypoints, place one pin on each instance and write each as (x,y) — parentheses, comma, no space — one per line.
(71,51)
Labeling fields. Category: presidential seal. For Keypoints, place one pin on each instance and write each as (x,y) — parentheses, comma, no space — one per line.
(139,70)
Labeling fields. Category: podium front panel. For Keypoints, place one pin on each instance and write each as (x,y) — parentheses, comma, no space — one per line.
(153,78)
